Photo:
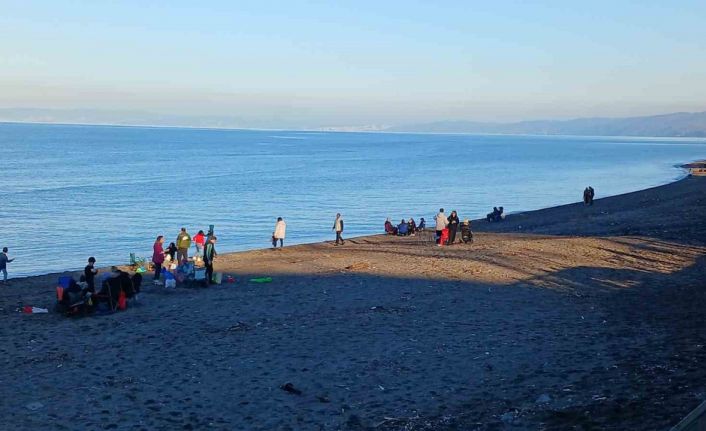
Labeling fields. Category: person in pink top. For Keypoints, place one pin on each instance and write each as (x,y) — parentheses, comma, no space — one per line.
(158,256)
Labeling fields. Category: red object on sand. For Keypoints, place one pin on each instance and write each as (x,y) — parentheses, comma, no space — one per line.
(122,301)
(444,236)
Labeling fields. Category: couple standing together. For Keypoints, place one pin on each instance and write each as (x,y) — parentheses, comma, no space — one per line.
(442,222)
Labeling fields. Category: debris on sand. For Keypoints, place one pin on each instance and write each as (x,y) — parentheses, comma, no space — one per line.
(288,387)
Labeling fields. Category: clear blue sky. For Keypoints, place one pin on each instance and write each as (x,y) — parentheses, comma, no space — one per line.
(356,62)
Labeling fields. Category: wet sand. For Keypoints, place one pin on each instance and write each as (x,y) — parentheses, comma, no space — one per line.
(571,317)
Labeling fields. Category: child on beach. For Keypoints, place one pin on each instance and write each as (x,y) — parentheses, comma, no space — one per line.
(4,260)
(199,241)
(89,274)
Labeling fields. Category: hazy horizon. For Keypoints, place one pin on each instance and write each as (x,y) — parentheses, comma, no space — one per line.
(316,65)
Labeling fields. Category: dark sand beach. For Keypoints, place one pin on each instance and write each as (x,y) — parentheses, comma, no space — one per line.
(574,317)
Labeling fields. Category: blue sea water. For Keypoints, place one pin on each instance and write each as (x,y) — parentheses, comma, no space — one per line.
(68,192)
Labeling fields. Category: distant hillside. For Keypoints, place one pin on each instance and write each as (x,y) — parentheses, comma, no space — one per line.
(680,124)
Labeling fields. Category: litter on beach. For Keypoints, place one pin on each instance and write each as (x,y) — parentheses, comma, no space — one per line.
(33,310)
(261,280)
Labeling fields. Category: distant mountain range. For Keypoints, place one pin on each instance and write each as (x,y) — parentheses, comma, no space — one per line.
(680,124)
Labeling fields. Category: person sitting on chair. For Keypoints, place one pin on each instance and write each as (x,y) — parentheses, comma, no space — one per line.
(412,226)
(389,229)
(466,233)
(402,228)
(491,216)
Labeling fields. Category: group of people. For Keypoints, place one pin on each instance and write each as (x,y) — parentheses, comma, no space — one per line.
(178,252)
(114,289)
(447,228)
(588,194)
(498,214)
(405,227)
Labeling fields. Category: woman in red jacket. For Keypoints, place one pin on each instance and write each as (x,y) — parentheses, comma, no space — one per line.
(158,256)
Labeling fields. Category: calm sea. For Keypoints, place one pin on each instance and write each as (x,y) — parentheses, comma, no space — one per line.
(70,192)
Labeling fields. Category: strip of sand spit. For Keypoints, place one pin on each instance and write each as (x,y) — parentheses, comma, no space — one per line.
(586,317)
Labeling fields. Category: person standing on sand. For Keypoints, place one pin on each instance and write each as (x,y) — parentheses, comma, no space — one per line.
(279,233)
(89,273)
(199,241)
(338,227)
(591,194)
(441,223)
(158,257)
(209,256)
(183,243)
(4,260)
(453,227)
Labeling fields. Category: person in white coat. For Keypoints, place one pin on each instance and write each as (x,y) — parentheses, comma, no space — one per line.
(279,233)
(441,223)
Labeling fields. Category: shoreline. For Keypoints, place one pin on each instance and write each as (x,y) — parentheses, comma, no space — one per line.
(587,316)
(476,223)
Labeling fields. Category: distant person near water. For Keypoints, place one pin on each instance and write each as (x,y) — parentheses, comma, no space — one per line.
(412,225)
(209,256)
(453,227)
(279,233)
(441,223)
(588,194)
(422,225)
(338,227)
(157,257)
(199,242)
(403,228)
(389,228)
(183,242)
(498,214)
(4,260)
(89,274)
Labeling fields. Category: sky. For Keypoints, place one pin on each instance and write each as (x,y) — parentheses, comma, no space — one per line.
(324,63)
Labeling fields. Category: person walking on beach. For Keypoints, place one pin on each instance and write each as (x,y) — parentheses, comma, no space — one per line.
(183,243)
(199,241)
(157,257)
(338,227)
(453,227)
(4,260)
(441,222)
(279,233)
(89,274)
(209,256)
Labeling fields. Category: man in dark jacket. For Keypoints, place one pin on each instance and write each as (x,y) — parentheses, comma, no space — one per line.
(209,255)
